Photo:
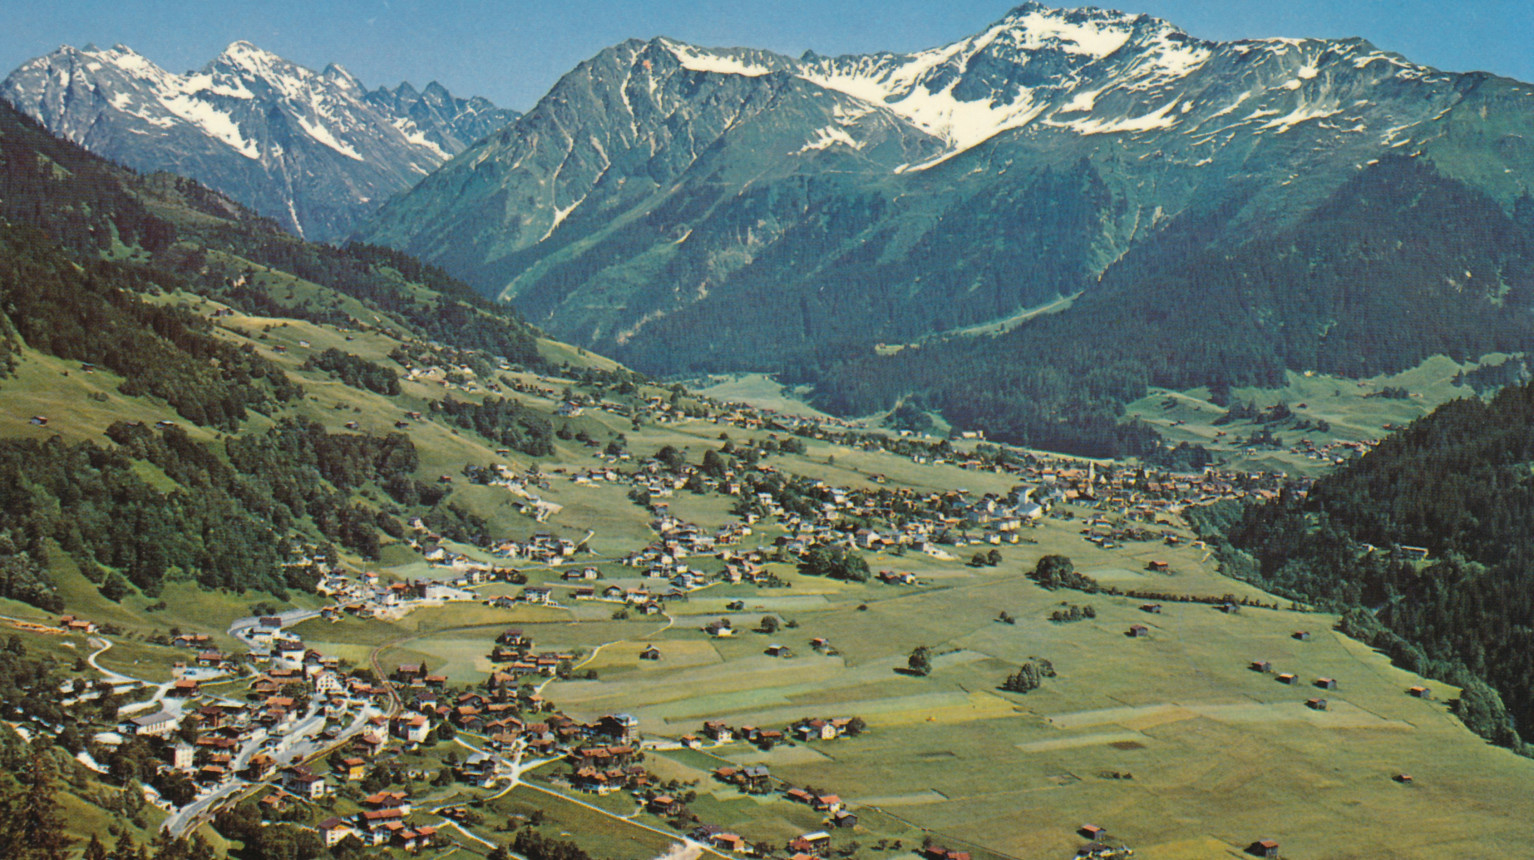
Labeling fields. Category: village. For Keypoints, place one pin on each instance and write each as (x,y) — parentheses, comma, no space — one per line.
(381,754)
(308,726)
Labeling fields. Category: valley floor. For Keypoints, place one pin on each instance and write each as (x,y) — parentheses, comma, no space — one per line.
(1170,741)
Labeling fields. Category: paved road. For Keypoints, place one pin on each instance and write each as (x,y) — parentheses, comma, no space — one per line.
(102,646)
(298,744)
(180,821)
(157,701)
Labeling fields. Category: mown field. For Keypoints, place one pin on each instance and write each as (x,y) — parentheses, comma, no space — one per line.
(1213,755)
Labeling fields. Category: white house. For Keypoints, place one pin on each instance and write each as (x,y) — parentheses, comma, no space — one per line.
(158,724)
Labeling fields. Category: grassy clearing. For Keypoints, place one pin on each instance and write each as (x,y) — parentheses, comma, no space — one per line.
(1352,408)
(189,608)
(598,834)
(79,406)
(756,389)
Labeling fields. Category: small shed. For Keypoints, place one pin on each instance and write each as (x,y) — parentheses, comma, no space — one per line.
(1326,683)
(1261,666)
(1316,704)
(1287,678)
(650,653)
(1421,692)
(1302,635)
(1137,630)
(1263,848)
(1090,831)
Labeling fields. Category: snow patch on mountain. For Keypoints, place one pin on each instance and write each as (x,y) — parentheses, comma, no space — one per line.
(827,137)
(212,121)
(561,214)
(1153,121)
(1301,113)
(322,134)
(413,133)
(698,60)
(1048,28)
(966,123)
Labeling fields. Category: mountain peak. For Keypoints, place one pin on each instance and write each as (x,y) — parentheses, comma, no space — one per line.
(404,90)
(338,74)
(1087,30)
(244,55)
(244,123)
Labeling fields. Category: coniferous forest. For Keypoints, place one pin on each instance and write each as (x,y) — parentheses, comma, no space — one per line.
(1328,294)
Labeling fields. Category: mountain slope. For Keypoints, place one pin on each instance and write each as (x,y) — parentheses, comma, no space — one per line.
(175,228)
(314,150)
(1368,282)
(637,160)
(627,210)
(167,319)
(1455,485)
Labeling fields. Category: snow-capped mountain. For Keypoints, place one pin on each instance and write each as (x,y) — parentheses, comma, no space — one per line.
(1094,72)
(785,203)
(314,150)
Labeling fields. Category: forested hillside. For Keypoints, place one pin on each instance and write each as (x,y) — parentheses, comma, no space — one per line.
(214,247)
(1340,292)
(1459,484)
(248,490)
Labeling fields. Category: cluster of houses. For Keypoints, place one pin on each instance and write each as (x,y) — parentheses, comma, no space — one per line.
(756,779)
(515,658)
(1333,453)
(806,846)
(605,768)
(365,595)
(1315,703)
(1118,487)
(216,740)
(383,821)
(925,521)
(524,487)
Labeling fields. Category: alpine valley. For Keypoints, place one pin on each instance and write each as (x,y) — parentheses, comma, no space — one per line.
(804,211)
(1077,441)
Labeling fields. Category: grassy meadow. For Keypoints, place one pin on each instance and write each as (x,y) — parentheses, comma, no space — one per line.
(1355,410)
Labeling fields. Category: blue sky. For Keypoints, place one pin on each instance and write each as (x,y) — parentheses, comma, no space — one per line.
(512,51)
